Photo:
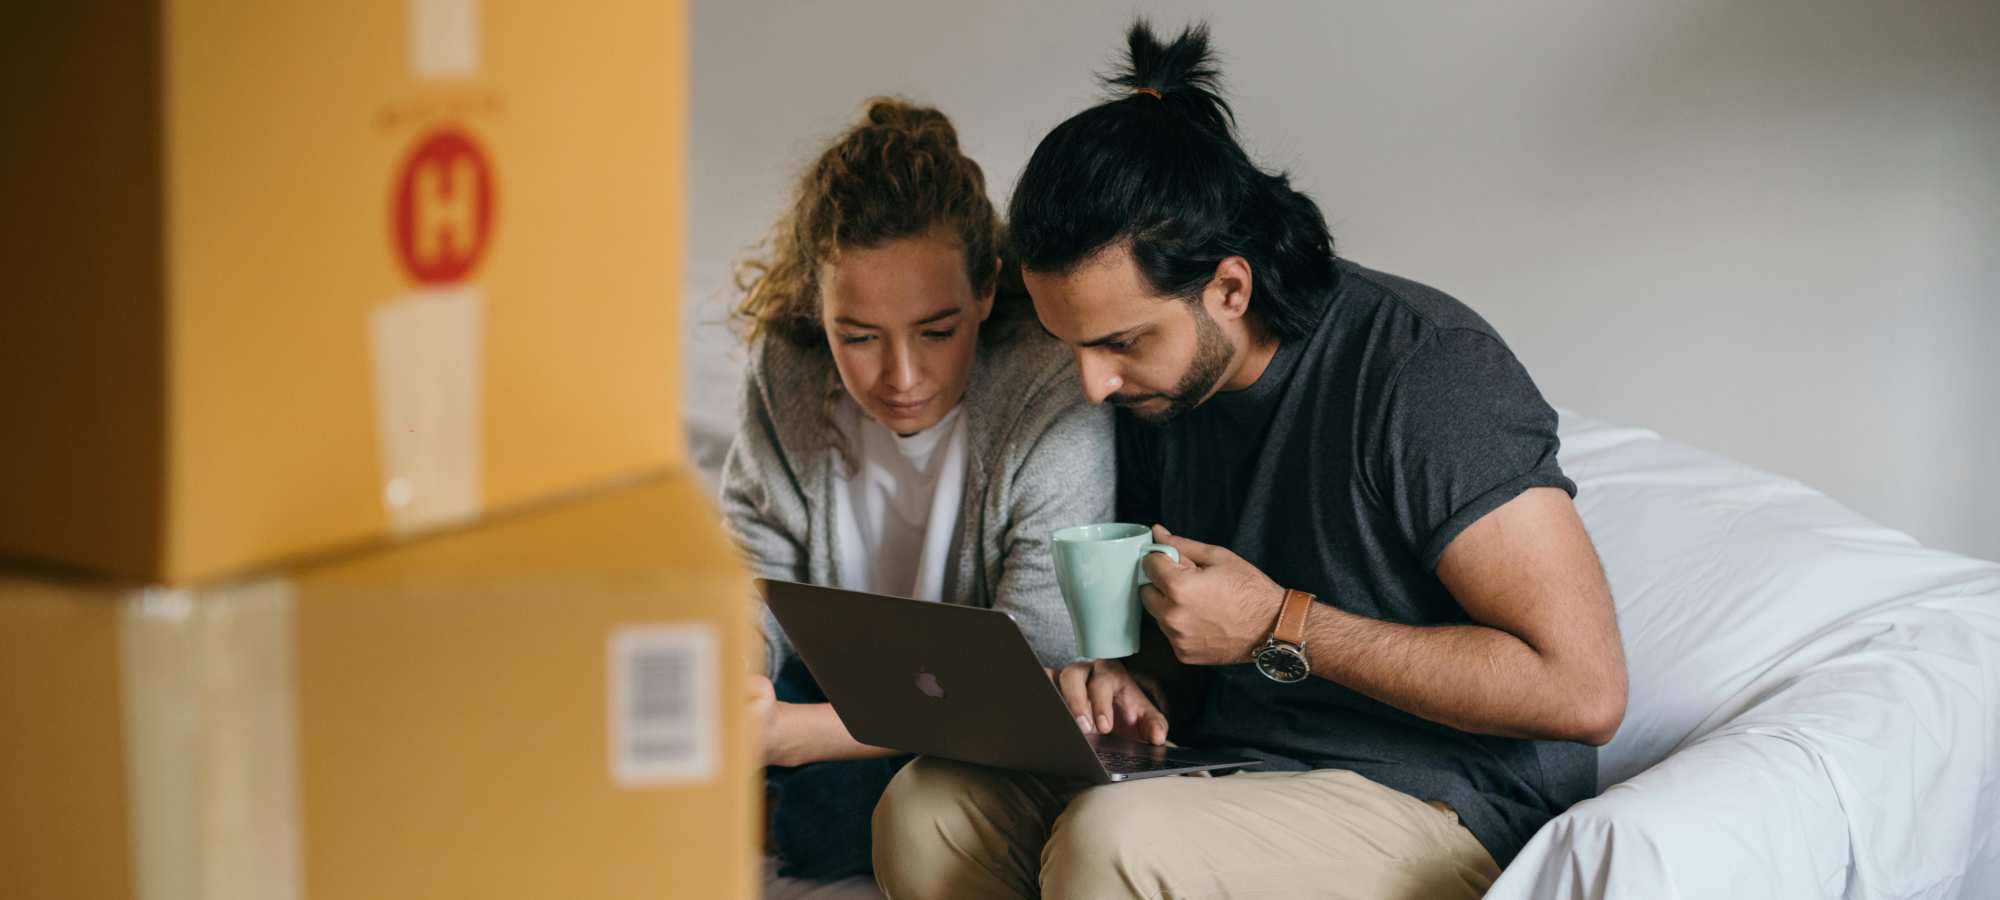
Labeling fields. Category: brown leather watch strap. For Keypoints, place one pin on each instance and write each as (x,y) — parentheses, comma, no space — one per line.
(1292,618)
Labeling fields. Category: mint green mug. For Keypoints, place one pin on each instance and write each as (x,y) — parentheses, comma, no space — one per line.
(1097,567)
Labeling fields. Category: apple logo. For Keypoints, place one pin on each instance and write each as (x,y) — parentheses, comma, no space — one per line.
(928,683)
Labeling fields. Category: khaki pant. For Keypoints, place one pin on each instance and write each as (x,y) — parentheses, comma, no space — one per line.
(954,831)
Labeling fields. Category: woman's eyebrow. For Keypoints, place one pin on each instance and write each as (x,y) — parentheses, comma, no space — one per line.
(938,316)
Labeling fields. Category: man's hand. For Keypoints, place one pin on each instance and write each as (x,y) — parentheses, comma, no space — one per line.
(1105,699)
(1214,608)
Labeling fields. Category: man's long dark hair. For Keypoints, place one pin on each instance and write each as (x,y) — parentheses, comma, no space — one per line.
(1158,167)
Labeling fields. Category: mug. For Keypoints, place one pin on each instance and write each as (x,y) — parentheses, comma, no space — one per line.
(1097,567)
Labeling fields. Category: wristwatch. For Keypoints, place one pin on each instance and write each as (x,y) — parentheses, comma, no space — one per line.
(1283,658)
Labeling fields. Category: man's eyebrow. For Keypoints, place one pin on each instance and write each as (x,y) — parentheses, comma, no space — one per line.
(1112,338)
(938,316)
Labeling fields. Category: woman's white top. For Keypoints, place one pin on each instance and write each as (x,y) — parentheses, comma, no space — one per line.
(894,513)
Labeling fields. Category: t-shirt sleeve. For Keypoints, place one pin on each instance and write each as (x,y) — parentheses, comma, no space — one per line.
(1463,430)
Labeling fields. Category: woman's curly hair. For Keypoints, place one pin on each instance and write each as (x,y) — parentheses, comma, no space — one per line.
(897,173)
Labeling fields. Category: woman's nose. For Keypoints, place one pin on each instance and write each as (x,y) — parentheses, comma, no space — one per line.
(903,371)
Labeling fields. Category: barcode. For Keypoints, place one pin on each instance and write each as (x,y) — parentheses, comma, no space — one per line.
(663,704)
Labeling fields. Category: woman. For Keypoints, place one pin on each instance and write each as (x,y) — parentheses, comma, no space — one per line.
(906,430)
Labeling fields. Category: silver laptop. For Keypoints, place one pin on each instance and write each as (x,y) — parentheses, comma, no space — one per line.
(956,682)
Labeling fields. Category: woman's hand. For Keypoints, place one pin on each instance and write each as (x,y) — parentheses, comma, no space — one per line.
(799,733)
(1106,699)
(765,711)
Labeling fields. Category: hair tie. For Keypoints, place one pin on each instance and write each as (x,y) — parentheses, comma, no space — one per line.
(1150,92)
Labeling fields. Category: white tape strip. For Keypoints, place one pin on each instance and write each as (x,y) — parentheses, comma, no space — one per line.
(211,754)
(444,38)
(429,374)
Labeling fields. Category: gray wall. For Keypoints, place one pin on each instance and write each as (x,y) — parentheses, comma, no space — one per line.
(1768,229)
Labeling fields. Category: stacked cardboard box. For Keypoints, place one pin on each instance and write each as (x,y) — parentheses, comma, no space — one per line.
(344,551)
(542,705)
(289,277)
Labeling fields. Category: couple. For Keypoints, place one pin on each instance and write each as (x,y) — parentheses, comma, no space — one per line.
(1343,446)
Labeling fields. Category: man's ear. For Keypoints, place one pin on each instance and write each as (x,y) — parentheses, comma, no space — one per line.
(1228,293)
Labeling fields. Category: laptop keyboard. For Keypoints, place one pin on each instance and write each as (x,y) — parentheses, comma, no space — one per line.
(1122,761)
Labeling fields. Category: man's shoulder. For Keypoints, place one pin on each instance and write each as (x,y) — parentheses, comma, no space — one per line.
(1385,325)
(1422,309)
(1396,343)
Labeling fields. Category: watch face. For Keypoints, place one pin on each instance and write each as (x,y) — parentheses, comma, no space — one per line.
(1282,663)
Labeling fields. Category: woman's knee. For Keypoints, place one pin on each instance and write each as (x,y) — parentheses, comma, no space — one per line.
(921,795)
(945,828)
(932,797)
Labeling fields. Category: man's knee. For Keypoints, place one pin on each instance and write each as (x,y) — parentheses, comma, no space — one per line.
(1114,841)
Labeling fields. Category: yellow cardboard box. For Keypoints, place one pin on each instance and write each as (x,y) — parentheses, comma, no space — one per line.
(286,277)
(547,705)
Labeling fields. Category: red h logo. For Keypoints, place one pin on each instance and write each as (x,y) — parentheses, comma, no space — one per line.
(443,208)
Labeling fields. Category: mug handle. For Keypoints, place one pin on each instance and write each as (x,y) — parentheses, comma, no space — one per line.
(1171,553)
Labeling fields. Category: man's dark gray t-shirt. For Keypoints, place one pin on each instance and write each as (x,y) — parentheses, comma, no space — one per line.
(1363,449)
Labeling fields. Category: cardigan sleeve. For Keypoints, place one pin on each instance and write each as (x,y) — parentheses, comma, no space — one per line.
(1064,474)
(757,482)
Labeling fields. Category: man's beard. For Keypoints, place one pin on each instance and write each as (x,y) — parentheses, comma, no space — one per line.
(1212,353)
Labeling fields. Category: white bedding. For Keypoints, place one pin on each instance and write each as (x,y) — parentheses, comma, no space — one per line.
(1815,701)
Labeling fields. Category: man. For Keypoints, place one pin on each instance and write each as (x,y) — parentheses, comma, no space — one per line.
(1382,573)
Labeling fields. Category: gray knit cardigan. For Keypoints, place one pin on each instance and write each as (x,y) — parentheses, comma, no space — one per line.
(1039,458)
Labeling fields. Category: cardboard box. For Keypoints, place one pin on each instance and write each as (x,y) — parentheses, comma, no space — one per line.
(289,277)
(548,705)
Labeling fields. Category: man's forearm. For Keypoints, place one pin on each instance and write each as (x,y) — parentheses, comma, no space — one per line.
(1470,677)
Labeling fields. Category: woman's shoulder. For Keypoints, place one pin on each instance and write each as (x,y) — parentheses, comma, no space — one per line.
(1046,442)
(1027,387)
(1030,366)
(779,394)
(774,357)
(778,368)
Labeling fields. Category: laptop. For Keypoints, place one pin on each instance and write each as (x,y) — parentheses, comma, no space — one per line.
(956,682)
